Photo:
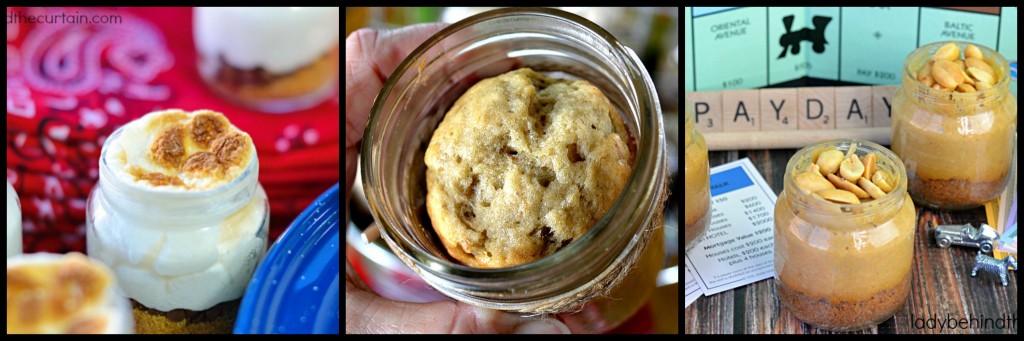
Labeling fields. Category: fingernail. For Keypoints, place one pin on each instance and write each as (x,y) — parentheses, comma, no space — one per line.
(545,326)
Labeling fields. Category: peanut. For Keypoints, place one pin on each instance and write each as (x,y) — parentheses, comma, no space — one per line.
(838,196)
(979,63)
(853,149)
(947,74)
(947,52)
(852,168)
(965,88)
(938,87)
(817,152)
(981,75)
(972,52)
(926,70)
(967,80)
(960,64)
(812,182)
(927,80)
(842,184)
(869,165)
(829,161)
(873,191)
(883,180)
(981,86)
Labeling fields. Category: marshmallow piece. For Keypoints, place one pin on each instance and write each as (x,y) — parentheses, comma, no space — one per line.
(64,294)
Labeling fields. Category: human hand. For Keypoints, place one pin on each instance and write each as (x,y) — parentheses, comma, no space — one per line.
(370,57)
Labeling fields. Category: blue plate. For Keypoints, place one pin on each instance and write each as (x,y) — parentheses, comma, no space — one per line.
(296,289)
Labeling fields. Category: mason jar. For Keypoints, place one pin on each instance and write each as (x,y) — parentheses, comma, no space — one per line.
(844,266)
(183,257)
(957,147)
(697,188)
(13,222)
(627,240)
(272,59)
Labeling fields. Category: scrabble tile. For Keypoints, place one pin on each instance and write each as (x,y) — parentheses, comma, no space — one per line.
(853,107)
(881,98)
(816,108)
(778,109)
(741,110)
(708,109)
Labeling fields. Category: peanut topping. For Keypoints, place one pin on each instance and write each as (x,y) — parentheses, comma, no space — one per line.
(946,71)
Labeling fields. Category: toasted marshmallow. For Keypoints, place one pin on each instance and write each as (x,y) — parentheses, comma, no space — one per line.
(13,222)
(279,40)
(64,294)
(174,150)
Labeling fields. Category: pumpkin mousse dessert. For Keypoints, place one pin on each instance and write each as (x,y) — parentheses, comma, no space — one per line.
(844,236)
(179,216)
(954,125)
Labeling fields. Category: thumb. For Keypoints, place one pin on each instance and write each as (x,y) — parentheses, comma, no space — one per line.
(366,312)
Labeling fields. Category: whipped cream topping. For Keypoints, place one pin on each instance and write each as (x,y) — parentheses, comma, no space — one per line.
(166,267)
(64,294)
(174,150)
(13,222)
(280,40)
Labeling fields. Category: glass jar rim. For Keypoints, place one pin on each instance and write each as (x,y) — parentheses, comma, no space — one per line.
(648,160)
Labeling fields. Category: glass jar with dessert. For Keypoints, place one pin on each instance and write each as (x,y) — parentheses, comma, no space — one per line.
(697,188)
(625,243)
(64,294)
(844,235)
(180,217)
(953,124)
(272,59)
(13,222)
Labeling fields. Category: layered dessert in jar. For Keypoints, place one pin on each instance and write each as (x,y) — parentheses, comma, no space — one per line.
(957,144)
(270,59)
(844,236)
(697,186)
(64,294)
(13,222)
(179,216)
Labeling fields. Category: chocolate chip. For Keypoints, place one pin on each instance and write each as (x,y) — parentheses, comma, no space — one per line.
(574,153)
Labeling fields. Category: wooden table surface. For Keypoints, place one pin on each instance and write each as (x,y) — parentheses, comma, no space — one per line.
(942,286)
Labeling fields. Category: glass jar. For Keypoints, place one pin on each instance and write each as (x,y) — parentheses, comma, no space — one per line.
(698,178)
(422,89)
(188,252)
(271,59)
(13,222)
(844,267)
(957,147)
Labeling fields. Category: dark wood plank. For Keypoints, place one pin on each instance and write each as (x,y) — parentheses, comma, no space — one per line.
(942,286)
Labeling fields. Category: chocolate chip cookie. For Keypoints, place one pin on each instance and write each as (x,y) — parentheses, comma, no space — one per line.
(522,165)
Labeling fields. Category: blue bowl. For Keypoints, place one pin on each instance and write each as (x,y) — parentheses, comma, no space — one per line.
(296,288)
